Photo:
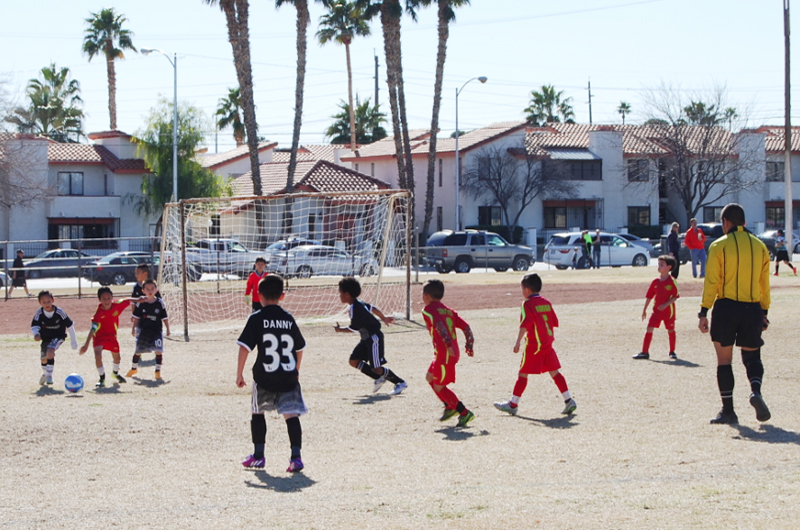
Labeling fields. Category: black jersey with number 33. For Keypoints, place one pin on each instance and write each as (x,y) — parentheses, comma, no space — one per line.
(274,333)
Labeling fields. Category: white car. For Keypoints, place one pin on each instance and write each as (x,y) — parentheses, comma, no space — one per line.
(564,251)
(315,260)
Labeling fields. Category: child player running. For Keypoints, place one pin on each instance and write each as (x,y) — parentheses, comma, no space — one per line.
(49,326)
(665,291)
(367,356)
(279,344)
(103,334)
(252,284)
(148,317)
(537,322)
(442,323)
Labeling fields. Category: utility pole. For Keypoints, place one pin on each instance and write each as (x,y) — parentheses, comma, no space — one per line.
(376,78)
(589,88)
(787,170)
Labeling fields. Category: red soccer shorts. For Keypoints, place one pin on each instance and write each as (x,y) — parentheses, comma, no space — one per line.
(108,343)
(443,374)
(539,362)
(667,317)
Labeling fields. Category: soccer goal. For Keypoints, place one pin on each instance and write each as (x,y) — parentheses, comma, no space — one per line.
(209,247)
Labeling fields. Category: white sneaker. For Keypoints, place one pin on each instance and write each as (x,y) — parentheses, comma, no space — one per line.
(570,407)
(42,379)
(49,380)
(399,387)
(505,406)
(378,384)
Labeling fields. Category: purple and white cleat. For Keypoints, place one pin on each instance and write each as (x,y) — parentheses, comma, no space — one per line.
(251,462)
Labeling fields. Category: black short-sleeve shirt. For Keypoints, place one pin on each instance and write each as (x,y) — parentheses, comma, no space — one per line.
(363,321)
(50,328)
(274,333)
(150,315)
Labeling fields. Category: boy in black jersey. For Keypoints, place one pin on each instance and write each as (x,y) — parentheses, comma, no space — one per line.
(148,316)
(142,274)
(49,326)
(367,356)
(273,332)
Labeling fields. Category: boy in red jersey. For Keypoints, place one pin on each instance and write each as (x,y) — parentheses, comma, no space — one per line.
(665,291)
(251,291)
(442,323)
(536,325)
(104,332)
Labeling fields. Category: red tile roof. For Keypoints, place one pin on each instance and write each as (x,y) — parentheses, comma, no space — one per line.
(775,140)
(58,153)
(218,159)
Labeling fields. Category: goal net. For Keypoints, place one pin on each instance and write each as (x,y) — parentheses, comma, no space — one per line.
(209,248)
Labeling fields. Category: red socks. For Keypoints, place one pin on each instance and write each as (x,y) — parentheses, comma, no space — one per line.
(671,334)
(560,382)
(519,388)
(448,396)
(648,338)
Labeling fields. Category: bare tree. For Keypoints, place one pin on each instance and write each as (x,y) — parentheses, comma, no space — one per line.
(511,178)
(20,185)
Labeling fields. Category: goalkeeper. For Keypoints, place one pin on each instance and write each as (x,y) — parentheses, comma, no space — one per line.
(251,291)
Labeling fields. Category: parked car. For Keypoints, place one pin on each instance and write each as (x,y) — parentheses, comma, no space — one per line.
(461,251)
(279,249)
(615,251)
(57,262)
(768,238)
(223,256)
(4,279)
(119,268)
(317,260)
(636,240)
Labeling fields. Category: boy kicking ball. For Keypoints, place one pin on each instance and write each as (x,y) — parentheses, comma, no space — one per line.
(49,326)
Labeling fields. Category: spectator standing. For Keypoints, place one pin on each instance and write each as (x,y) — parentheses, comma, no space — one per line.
(596,249)
(696,242)
(674,249)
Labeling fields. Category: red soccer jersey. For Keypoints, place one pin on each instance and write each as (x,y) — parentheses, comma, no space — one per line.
(252,284)
(441,319)
(661,291)
(106,321)
(538,319)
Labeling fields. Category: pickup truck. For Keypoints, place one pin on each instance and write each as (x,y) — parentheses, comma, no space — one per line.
(461,251)
(223,256)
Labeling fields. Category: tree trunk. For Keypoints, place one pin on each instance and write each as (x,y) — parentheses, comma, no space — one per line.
(302,24)
(353,144)
(441,53)
(112,87)
(391,73)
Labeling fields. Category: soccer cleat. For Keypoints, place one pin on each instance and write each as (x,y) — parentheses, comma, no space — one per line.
(101,383)
(727,418)
(505,406)
(794,270)
(118,377)
(466,418)
(673,356)
(251,462)
(378,384)
(642,355)
(295,465)
(157,375)
(775,274)
(762,412)
(42,379)
(49,380)
(447,414)
(569,407)
(132,372)
(399,387)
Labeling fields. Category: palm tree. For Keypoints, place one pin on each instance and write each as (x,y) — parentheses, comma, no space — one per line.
(730,115)
(55,107)
(547,106)
(301,6)
(624,109)
(344,21)
(236,17)
(104,35)
(446,15)
(229,112)
(368,121)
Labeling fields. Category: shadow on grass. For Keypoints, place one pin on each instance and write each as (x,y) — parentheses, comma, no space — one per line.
(372,398)
(563,422)
(146,363)
(48,391)
(679,362)
(458,434)
(767,433)
(150,383)
(284,484)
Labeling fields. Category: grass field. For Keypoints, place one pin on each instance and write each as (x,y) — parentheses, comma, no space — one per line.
(638,453)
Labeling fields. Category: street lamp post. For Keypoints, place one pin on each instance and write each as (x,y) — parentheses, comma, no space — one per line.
(174,63)
(482,79)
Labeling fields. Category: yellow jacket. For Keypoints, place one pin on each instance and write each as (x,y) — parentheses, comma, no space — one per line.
(737,269)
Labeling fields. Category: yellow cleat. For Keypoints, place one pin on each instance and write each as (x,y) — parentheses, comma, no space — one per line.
(132,372)
(158,375)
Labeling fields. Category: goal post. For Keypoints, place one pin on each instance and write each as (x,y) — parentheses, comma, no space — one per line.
(209,247)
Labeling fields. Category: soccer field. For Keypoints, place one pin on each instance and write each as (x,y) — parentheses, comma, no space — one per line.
(638,453)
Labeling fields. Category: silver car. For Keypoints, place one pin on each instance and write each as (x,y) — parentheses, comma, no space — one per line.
(315,260)
(564,251)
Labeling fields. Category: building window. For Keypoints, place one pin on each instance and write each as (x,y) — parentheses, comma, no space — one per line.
(775,171)
(70,183)
(489,216)
(105,184)
(484,168)
(555,217)
(440,172)
(356,167)
(439,218)
(775,217)
(214,229)
(312,225)
(638,215)
(573,169)
(713,214)
(638,170)
(372,170)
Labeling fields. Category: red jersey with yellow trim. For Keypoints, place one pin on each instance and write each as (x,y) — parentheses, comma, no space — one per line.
(661,291)
(538,319)
(106,321)
(438,317)
(252,284)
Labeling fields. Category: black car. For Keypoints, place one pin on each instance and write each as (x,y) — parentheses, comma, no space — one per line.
(57,262)
(119,268)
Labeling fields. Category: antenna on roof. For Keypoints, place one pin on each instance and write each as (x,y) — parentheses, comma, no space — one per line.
(589,88)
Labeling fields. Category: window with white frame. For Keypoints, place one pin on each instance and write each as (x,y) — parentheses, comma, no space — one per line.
(70,183)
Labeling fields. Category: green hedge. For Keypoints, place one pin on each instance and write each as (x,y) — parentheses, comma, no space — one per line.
(506,232)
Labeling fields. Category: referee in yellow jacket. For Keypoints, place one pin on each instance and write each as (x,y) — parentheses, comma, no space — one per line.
(736,289)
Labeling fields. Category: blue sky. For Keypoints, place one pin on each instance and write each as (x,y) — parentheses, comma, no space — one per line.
(623,46)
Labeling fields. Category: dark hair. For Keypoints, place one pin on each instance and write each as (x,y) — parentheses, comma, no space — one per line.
(734,213)
(103,290)
(533,282)
(271,287)
(780,232)
(669,260)
(150,281)
(434,289)
(44,293)
(261,259)
(144,267)
(20,251)
(350,286)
